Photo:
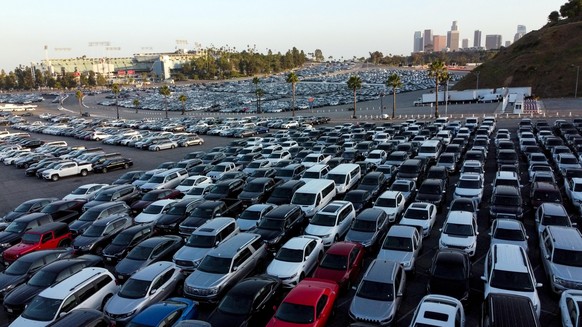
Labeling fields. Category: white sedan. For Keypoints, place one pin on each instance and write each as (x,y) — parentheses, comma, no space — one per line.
(84,192)
(470,186)
(421,215)
(154,211)
(296,259)
(188,183)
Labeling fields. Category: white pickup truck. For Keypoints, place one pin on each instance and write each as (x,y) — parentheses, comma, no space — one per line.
(573,188)
(69,168)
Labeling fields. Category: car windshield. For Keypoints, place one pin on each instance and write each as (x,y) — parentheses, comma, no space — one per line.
(511,201)
(568,161)
(18,268)
(236,303)
(400,187)
(196,191)
(374,155)
(386,202)
(254,187)
(94,231)
(202,213)
(156,179)
(29,238)
(567,257)
(462,206)
(548,220)
(303,198)
(323,220)
(335,262)
(89,215)
(188,182)
(376,291)
(42,309)
(412,213)
(509,234)
(471,169)
(311,174)
(123,239)
(215,265)
(79,190)
(446,159)
(429,189)
(361,225)
(449,270)
(289,255)
(43,278)
(471,184)
(511,280)
(200,241)
(134,289)
(250,215)
(140,253)
(337,178)
(458,229)
(271,224)
(397,244)
(105,196)
(24,207)
(153,196)
(220,189)
(548,196)
(295,313)
(16,227)
(153,209)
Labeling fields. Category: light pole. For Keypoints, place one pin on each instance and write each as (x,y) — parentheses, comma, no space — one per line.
(577,75)
(447,96)
(382,104)
(477,74)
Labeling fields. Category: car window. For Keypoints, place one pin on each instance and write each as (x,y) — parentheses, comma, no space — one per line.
(85,292)
(69,304)
(47,237)
(321,305)
(159,249)
(309,248)
(242,257)
(103,281)
(171,319)
(354,255)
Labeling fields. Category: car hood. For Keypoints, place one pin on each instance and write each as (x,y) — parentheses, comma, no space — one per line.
(371,309)
(249,195)
(359,237)
(330,274)
(144,218)
(20,248)
(317,230)
(501,209)
(22,295)
(428,197)
(194,222)
(451,240)
(114,250)
(120,305)
(283,269)
(167,219)
(140,205)
(567,272)
(397,256)
(189,253)
(7,280)
(267,234)
(201,279)
(129,266)
(81,241)
(223,319)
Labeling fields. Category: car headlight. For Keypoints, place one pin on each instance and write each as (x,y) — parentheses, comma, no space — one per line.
(325,236)
(5,245)
(407,264)
(86,247)
(289,277)
(213,290)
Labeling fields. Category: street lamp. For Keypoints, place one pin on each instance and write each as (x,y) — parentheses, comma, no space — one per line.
(477,74)
(382,104)
(577,75)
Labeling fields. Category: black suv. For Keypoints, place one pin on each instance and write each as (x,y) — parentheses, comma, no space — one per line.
(226,189)
(125,241)
(432,191)
(506,202)
(257,190)
(126,193)
(374,182)
(279,225)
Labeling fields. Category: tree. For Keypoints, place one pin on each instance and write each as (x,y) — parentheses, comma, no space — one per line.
(182,98)
(165,92)
(354,84)
(293,79)
(79,95)
(256,81)
(259,92)
(136,104)
(572,8)
(394,82)
(101,80)
(319,55)
(554,17)
(115,89)
(438,71)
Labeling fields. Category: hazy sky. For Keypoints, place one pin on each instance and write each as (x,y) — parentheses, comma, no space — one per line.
(337,27)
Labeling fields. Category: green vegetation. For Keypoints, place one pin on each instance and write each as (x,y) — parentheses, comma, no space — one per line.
(438,71)
(394,82)
(165,92)
(354,84)
(293,80)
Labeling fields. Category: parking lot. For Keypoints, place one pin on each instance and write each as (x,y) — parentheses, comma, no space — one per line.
(17,188)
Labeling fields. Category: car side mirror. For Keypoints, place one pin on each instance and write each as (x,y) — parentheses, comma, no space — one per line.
(153,291)
(235,268)
(216,243)
(274,308)
(440,229)
(574,224)
(483,278)
(354,287)
(399,294)
(62,313)
(538,285)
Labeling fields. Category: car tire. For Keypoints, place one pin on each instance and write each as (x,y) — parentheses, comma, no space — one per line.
(84,172)
(157,148)
(55,177)
(125,166)
(172,146)
(104,170)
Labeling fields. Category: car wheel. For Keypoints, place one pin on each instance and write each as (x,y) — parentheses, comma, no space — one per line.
(55,178)
(125,166)
(186,144)
(172,146)
(157,148)
(104,170)
(84,172)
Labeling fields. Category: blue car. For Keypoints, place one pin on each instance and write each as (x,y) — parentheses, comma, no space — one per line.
(166,313)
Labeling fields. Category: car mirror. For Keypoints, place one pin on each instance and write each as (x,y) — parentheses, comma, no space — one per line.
(62,313)
(538,285)
(547,256)
(274,308)
(483,278)
(489,234)
(440,229)
(216,243)
(235,268)
(399,294)
(574,224)
(354,287)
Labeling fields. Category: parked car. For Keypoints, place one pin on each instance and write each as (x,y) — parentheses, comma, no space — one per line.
(112,164)
(402,244)
(125,241)
(449,274)
(170,312)
(100,233)
(509,231)
(459,231)
(420,215)
(561,251)
(297,258)
(439,310)
(251,215)
(332,222)
(368,228)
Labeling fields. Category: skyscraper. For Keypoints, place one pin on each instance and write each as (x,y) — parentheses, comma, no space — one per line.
(453,37)
(493,41)
(427,39)
(439,43)
(477,39)
(507,43)
(465,43)
(521,31)
(418,44)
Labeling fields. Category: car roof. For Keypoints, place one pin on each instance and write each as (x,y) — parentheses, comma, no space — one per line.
(401,231)
(308,291)
(342,248)
(568,238)
(553,209)
(150,272)
(508,223)
(381,271)
(508,257)
(389,194)
(56,291)
(437,304)
(460,217)
(298,243)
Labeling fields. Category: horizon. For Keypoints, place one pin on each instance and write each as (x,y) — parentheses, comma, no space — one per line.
(73,25)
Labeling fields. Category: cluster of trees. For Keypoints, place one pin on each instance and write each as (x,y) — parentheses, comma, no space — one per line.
(570,9)
(460,58)
(27,78)
(224,63)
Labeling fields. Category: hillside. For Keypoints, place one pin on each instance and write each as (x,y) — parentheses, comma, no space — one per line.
(541,59)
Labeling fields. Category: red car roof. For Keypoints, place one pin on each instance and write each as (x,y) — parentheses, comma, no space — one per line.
(309,290)
(342,248)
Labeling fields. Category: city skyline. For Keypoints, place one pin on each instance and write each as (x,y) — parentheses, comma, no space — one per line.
(339,28)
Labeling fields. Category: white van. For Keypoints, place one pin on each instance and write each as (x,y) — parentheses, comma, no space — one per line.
(430,149)
(345,176)
(314,195)
(315,172)
(90,288)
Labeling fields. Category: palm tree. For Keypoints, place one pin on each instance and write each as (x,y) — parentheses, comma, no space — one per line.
(394,82)
(182,98)
(115,89)
(256,81)
(437,70)
(354,84)
(293,79)
(165,91)
(260,94)
(79,95)
(136,104)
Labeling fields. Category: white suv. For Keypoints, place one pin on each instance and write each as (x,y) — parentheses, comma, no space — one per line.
(332,222)
(508,271)
(459,232)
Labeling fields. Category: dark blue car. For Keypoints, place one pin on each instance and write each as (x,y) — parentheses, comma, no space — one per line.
(166,313)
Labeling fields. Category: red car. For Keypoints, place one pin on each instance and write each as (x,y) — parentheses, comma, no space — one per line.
(309,304)
(153,196)
(45,237)
(342,264)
